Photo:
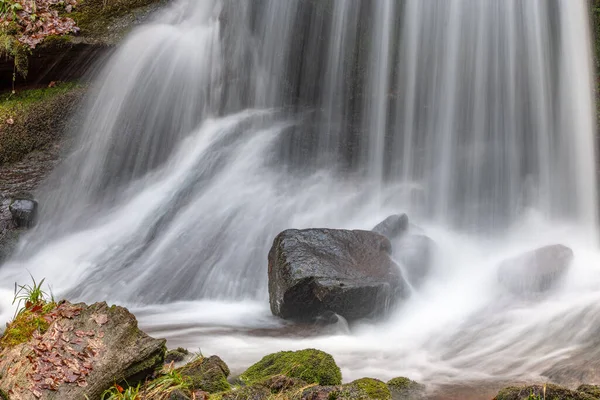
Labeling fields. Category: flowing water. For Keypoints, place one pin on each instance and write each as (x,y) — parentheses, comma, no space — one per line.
(221,123)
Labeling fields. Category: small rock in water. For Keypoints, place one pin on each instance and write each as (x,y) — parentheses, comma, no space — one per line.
(417,255)
(24,212)
(536,271)
(393,226)
(349,273)
(177,355)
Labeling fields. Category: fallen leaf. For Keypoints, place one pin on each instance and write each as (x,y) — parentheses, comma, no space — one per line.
(100,319)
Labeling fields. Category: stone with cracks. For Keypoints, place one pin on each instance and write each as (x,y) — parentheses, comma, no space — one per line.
(83,352)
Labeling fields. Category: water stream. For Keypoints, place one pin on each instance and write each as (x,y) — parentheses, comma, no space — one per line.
(220,123)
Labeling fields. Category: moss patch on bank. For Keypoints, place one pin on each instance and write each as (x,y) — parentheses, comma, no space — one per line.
(21,329)
(96,17)
(33,119)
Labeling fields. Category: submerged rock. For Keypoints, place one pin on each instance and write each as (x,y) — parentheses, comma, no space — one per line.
(208,374)
(315,271)
(536,271)
(417,254)
(24,212)
(393,226)
(548,391)
(77,352)
(310,366)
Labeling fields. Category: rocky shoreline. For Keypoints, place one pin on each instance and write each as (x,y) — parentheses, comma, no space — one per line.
(78,351)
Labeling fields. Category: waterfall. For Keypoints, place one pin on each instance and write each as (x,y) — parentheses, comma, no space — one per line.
(220,123)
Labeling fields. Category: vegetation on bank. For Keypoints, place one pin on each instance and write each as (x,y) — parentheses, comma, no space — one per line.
(26,23)
(33,119)
(33,308)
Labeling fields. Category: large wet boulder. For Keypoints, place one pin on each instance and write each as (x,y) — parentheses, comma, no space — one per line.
(536,271)
(393,226)
(315,271)
(310,366)
(74,351)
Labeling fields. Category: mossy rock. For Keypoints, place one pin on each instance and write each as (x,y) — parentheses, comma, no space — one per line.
(592,390)
(99,18)
(405,389)
(34,119)
(541,392)
(256,392)
(310,365)
(21,329)
(372,388)
(176,355)
(208,374)
(178,395)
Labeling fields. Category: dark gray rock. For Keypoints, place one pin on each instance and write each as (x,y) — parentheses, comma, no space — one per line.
(393,226)
(315,271)
(24,212)
(536,271)
(417,254)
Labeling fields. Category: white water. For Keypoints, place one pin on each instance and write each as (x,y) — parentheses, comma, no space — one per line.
(209,132)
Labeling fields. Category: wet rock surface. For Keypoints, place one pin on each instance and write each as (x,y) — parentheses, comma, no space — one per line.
(315,271)
(536,271)
(24,212)
(416,253)
(393,226)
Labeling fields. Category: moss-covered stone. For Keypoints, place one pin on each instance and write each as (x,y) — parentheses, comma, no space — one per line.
(373,388)
(256,392)
(405,389)
(207,373)
(33,119)
(540,392)
(96,18)
(592,390)
(311,366)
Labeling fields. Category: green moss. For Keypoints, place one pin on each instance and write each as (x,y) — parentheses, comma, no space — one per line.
(208,374)
(592,390)
(312,366)
(12,48)
(21,329)
(373,388)
(152,363)
(3,395)
(94,17)
(244,393)
(405,388)
(32,119)
(549,392)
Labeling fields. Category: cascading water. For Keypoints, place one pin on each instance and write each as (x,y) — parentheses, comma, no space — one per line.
(222,123)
